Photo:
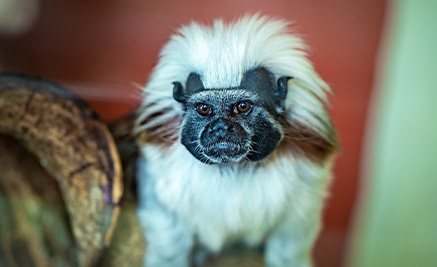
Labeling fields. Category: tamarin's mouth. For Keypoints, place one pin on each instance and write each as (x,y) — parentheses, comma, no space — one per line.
(225,152)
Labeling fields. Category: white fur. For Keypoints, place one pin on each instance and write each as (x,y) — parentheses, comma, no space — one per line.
(182,199)
(235,204)
(223,53)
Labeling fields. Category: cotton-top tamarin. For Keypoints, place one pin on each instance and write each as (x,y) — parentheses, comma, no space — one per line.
(236,144)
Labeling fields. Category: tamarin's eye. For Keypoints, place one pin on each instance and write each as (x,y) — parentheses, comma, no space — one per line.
(243,107)
(203,109)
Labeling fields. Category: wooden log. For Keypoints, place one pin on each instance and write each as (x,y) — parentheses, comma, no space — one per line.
(75,148)
(34,224)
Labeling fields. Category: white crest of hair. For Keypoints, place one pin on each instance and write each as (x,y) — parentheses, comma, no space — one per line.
(222,53)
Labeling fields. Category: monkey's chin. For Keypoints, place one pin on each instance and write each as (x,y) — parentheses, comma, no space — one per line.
(223,153)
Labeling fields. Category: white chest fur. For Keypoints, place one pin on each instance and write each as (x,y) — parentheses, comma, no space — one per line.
(225,204)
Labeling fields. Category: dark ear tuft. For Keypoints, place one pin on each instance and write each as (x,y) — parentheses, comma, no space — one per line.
(258,79)
(281,93)
(194,83)
(178,92)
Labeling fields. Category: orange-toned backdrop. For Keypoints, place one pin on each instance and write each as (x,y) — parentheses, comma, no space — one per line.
(101,49)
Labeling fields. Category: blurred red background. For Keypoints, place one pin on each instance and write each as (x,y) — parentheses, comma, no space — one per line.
(104,49)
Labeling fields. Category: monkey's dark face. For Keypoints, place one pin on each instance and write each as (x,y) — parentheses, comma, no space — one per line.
(227,126)
(224,126)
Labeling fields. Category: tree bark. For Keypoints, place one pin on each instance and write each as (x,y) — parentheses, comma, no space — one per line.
(71,146)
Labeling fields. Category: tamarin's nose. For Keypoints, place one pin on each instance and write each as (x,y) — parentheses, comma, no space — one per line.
(223,127)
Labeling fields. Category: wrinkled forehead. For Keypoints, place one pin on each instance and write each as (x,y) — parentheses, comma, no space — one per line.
(224,95)
(257,84)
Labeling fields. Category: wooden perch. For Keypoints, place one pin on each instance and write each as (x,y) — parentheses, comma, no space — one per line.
(70,144)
